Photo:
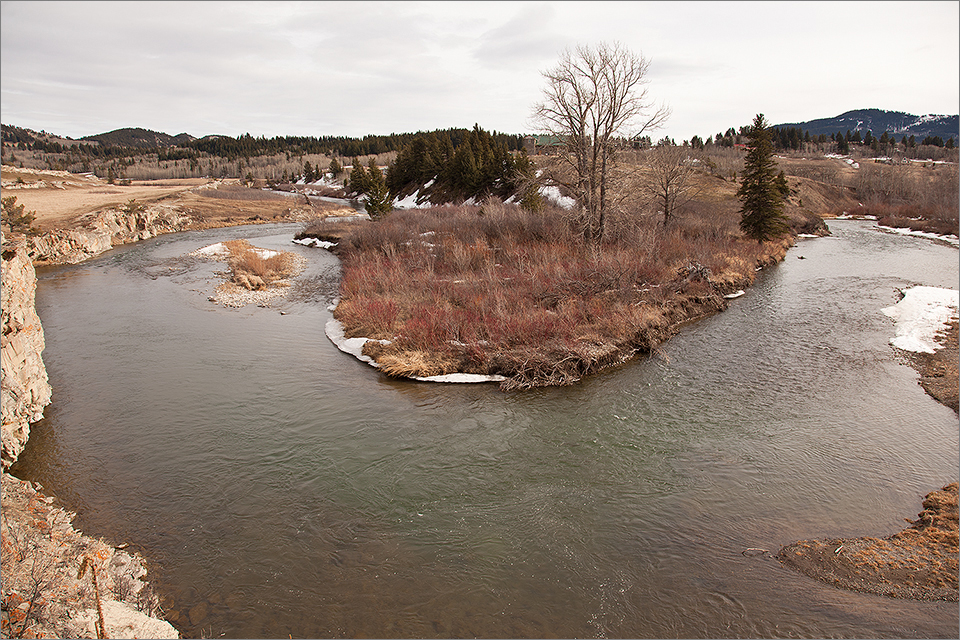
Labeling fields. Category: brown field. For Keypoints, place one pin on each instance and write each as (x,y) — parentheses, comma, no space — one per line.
(63,198)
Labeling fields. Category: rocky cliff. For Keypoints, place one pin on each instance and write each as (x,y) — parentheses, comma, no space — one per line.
(97,232)
(24,387)
(57,582)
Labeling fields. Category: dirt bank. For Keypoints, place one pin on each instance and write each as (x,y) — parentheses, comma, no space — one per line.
(66,203)
(939,373)
(918,563)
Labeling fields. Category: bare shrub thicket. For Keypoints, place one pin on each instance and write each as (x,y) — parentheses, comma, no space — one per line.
(496,289)
(723,162)
(825,170)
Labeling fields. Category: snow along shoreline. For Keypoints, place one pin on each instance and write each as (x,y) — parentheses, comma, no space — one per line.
(921,315)
(354,347)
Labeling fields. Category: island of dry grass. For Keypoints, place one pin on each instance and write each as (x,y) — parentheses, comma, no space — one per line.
(497,290)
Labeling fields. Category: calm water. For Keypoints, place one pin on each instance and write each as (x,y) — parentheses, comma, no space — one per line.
(280,487)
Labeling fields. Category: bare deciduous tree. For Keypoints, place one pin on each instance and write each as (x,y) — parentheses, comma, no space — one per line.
(670,179)
(595,102)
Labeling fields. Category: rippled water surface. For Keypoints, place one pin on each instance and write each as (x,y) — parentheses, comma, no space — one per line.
(280,487)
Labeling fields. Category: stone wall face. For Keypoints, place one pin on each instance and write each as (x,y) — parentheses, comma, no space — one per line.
(24,389)
(103,230)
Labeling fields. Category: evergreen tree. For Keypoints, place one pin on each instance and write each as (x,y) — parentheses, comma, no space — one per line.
(842,145)
(761,216)
(335,168)
(358,178)
(379,202)
(782,187)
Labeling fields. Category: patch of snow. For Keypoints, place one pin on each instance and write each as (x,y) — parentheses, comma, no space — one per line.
(553,195)
(316,242)
(354,347)
(954,240)
(218,250)
(461,378)
(922,313)
(410,202)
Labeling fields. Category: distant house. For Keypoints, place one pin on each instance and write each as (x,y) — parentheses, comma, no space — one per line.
(542,145)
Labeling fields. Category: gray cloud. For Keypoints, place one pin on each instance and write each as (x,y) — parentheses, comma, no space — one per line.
(328,68)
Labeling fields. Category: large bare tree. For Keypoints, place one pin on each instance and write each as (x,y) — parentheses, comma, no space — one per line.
(670,179)
(595,102)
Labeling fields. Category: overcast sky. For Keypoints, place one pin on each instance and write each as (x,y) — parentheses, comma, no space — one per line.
(355,68)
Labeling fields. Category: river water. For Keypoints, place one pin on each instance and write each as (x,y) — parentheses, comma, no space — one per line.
(279,487)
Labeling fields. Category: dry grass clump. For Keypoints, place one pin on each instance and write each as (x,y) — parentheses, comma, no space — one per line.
(494,289)
(256,269)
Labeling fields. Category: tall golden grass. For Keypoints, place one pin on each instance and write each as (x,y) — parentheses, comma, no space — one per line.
(252,269)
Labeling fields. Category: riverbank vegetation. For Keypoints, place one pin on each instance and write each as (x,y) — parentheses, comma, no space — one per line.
(498,289)
(253,268)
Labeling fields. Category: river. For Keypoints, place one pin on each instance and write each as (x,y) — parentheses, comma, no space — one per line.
(278,486)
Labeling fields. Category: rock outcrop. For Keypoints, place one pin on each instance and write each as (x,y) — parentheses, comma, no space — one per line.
(59,583)
(24,389)
(44,592)
(97,232)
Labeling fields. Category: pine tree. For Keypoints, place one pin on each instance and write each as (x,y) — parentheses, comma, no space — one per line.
(358,178)
(379,202)
(761,216)
(842,145)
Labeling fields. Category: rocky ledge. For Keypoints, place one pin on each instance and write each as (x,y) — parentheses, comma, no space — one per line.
(24,390)
(57,583)
(97,232)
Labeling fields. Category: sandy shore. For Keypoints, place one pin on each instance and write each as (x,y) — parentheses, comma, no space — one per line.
(939,373)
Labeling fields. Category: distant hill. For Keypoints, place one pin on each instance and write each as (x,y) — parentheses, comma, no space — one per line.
(139,138)
(877,121)
(16,135)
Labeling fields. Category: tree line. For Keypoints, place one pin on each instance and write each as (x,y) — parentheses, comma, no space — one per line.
(245,146)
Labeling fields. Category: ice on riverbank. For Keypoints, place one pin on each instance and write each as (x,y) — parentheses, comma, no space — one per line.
(954,240)
(315,242)
(219,251)
(354,346)
(920,315)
